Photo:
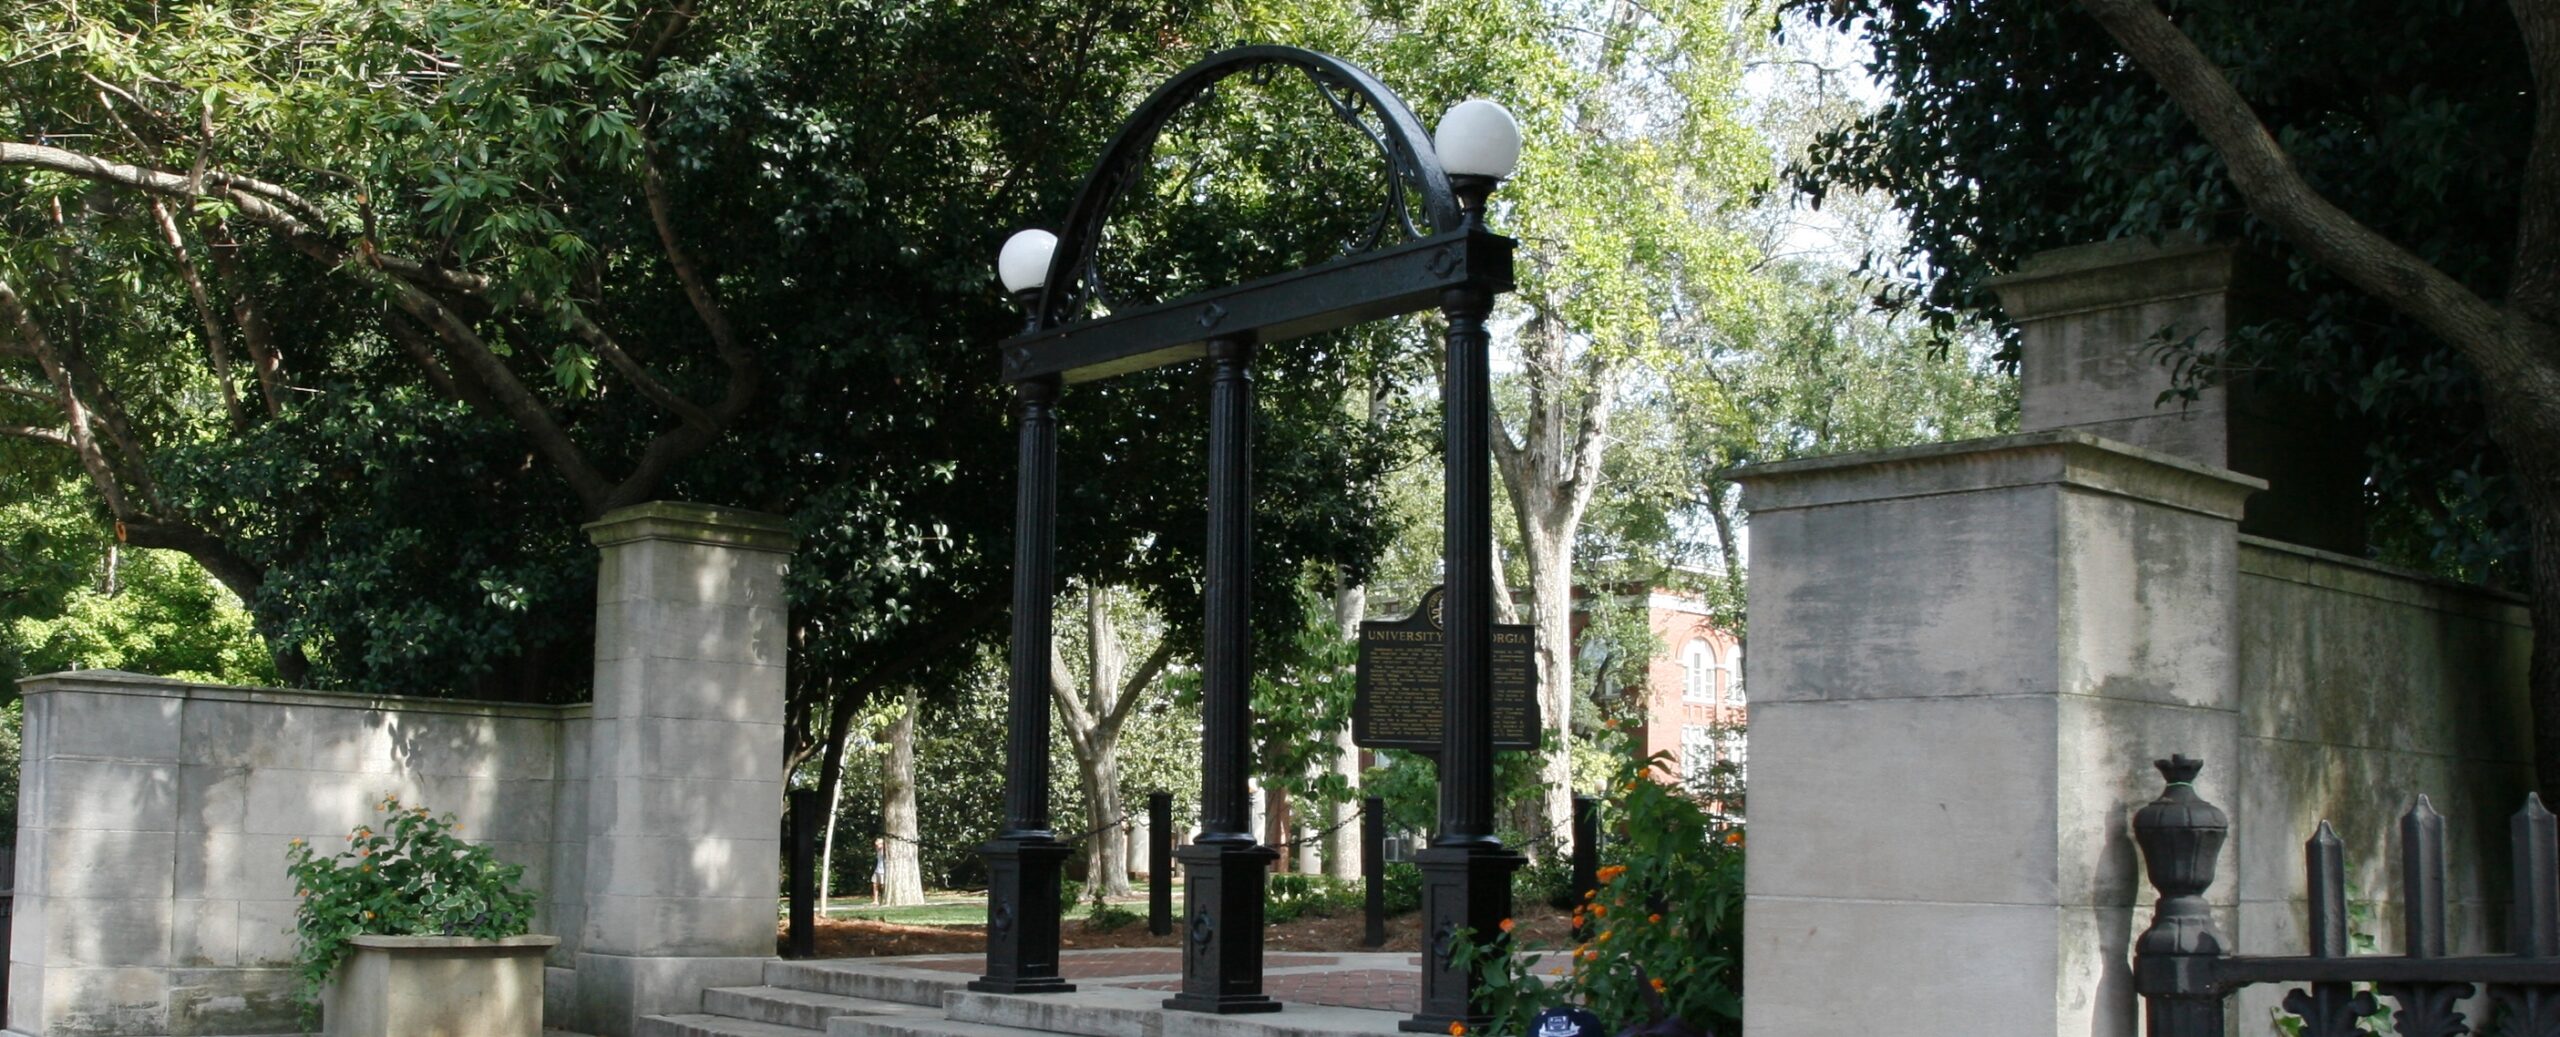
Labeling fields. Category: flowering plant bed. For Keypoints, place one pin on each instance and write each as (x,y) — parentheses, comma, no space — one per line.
(410,876)
(1661,952)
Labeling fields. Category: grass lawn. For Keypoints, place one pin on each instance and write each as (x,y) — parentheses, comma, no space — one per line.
(960,908)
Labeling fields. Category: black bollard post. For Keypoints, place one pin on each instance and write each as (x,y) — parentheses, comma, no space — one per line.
(807,814)
(1586,857)
(1373,868)
(1160,863)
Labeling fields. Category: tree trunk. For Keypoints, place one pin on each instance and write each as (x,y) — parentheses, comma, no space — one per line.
(1341,844)
(2524,420)
(827,849)
(905,877)
(1106,850)
(1550,551)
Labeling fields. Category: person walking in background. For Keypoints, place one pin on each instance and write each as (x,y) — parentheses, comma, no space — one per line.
(879,868)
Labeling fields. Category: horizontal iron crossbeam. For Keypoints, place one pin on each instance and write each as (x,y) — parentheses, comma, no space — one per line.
(1373,285)
(2231,973)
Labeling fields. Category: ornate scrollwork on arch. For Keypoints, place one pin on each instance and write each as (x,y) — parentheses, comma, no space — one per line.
(1353,95)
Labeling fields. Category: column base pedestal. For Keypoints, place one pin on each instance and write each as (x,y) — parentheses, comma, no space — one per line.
(1221,927)
(1463,887)
(1022,917)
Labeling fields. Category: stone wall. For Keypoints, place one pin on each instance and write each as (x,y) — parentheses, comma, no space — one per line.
(2362,687)
(154,815)
(154,821)
(1965,656)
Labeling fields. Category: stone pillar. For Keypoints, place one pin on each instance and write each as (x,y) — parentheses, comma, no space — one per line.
(2095,323)
(685,763)
(94,937)
(1964,658)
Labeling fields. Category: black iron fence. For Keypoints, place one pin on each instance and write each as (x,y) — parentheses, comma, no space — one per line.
(2183,972)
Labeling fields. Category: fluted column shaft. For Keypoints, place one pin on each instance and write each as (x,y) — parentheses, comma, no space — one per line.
(1035,584)
(1466,693)
(1226,711)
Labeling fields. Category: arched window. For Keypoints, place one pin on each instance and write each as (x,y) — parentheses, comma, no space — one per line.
(1698,672)
(1733,681)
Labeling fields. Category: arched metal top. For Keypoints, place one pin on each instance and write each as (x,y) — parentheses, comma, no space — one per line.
(1073,278)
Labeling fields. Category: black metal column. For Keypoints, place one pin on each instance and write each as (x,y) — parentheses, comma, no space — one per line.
(808,813)
(1466,872)
(1160,863)
(1024,859)
(1373,871)
(1223,870)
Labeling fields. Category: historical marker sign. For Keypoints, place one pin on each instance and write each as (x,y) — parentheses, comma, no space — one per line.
(1399,676)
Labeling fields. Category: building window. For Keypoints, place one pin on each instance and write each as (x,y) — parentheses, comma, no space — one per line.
(1733,681)
(1697,751)
(1698,672)
(1736,748)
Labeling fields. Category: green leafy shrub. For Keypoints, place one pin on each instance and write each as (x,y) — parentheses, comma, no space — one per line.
(1108,917)
(1403,880)
(410,874)
(1665,947)
(1292,896)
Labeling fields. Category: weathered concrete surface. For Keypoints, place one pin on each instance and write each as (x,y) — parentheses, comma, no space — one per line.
(154,818)
(684,796)
(2094,323)
(1963,656)
(438,986)
(152,896)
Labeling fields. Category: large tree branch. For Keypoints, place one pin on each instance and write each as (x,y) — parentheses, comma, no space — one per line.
(1131,690)
(2536,285)
(255,334)
(84,442)
(724,339)
(216,343)
(56,437)
(423,353)
(2276,192)
(656,392)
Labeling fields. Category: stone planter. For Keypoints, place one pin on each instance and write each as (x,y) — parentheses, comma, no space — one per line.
(438,986)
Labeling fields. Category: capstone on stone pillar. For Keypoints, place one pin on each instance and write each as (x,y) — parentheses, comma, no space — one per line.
(685,765)
(2096,327)
(1961,655)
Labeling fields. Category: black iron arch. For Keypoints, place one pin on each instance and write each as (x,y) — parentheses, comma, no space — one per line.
(1406,146)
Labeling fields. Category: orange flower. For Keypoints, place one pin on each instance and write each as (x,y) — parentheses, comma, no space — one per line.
(1600,910)
(297,842)
(1506,925)
(1628,787)
(1457,1029)
(1605,934)
(1658,984)
(368,867)
(1590,894)
(1610,874)
(1655,919)
(1733,838)
(368,916)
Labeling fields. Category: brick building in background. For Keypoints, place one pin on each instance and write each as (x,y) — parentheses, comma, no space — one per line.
(1694,704)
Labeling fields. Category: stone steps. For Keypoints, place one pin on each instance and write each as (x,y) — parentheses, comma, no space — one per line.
(698,1024)
(853,978)
(785,1006)
(1094,1011)
(928,1026)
